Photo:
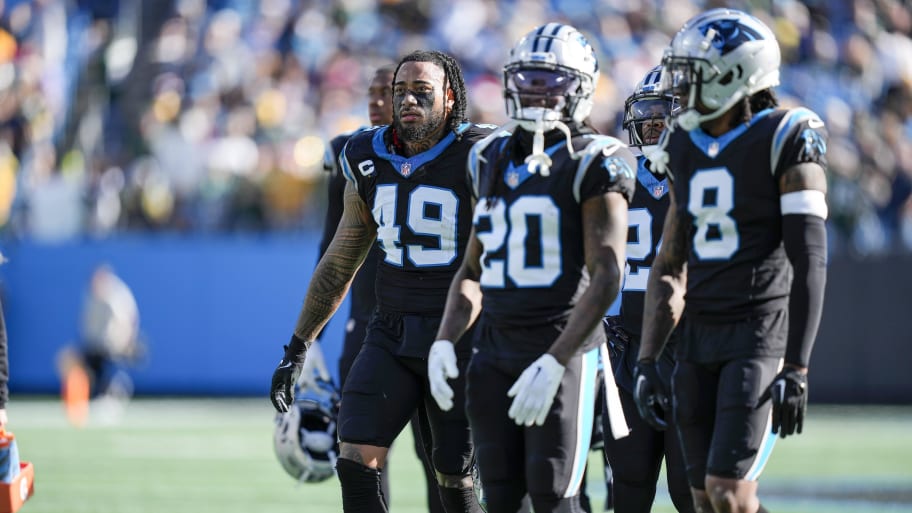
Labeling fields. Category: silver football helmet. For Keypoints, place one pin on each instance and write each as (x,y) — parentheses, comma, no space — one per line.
(549,80)
(550,76)
(305,436)
(719,57)
(646,110)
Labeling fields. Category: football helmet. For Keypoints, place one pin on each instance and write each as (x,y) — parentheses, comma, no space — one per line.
(305,436)
(719,57)
(550,76)
(648,103)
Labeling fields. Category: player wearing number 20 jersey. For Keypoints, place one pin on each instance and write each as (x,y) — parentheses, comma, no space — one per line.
(543,265)
(532,235)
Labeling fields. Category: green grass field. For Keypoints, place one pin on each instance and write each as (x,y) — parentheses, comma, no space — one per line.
(215,456)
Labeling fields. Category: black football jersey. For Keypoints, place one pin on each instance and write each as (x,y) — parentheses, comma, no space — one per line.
(362,293)
(423,209)
(645,220)
(727,189)
(533,262)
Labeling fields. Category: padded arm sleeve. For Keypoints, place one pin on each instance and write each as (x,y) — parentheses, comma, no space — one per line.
(805,242)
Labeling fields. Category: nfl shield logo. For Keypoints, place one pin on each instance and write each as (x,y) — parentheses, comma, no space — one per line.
(513,179)
(405,168)
(713,149)
(658,190)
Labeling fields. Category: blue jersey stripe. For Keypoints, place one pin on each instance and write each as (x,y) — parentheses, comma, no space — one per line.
(763,454)
(585,419)
(415,161)
(794,117)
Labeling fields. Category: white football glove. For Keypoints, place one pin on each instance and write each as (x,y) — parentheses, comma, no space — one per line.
(534,391)
(442,365)
(314,366)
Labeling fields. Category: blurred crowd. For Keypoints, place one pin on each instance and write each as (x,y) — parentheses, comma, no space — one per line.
(196,116)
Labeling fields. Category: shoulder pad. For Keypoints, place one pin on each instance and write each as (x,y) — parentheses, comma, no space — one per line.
(598,145)
(792,119)
(476,157)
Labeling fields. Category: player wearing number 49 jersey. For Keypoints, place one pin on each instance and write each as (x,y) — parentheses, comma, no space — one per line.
(743,257)
(407,189)
(542,265)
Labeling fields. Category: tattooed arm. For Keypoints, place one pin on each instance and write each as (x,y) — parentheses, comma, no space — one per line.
(336,270)
(666,286)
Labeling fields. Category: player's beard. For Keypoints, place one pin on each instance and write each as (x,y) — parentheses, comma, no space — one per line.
(421,132)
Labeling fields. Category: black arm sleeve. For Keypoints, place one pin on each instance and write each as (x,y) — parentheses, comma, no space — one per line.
(805,242)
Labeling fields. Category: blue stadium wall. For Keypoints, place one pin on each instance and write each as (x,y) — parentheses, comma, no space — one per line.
(215,313)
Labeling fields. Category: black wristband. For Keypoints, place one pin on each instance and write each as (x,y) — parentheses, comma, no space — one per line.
(296,348)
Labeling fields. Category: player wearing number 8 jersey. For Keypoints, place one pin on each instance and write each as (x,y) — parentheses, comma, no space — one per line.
(743,257)
(407,189)
(542,266)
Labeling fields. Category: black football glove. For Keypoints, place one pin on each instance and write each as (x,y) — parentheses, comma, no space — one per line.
(618,338)
(789,392)
(650,395)
(286,375)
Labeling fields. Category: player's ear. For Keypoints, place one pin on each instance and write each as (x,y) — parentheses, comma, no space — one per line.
(450,100)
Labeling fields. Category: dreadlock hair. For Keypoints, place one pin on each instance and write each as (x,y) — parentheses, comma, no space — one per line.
(761,100)
(452,79)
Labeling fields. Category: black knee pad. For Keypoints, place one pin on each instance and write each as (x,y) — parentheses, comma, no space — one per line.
(361,492)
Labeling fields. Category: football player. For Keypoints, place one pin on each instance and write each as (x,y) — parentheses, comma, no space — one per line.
(380,112)
(745,240)
(543,264)
(636,459)
(407,190)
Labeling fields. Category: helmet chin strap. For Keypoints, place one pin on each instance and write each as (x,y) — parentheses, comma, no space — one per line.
(539,161)
(656,153)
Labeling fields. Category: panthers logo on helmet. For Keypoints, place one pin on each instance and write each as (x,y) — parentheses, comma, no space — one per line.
(719,58)
(305,438)
(729,34)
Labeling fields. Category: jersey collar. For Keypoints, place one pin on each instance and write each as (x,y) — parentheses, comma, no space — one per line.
(515,175)
(713,146)
(656,188)
(407,166)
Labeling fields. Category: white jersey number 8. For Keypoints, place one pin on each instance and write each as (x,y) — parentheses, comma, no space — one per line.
(712,198)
